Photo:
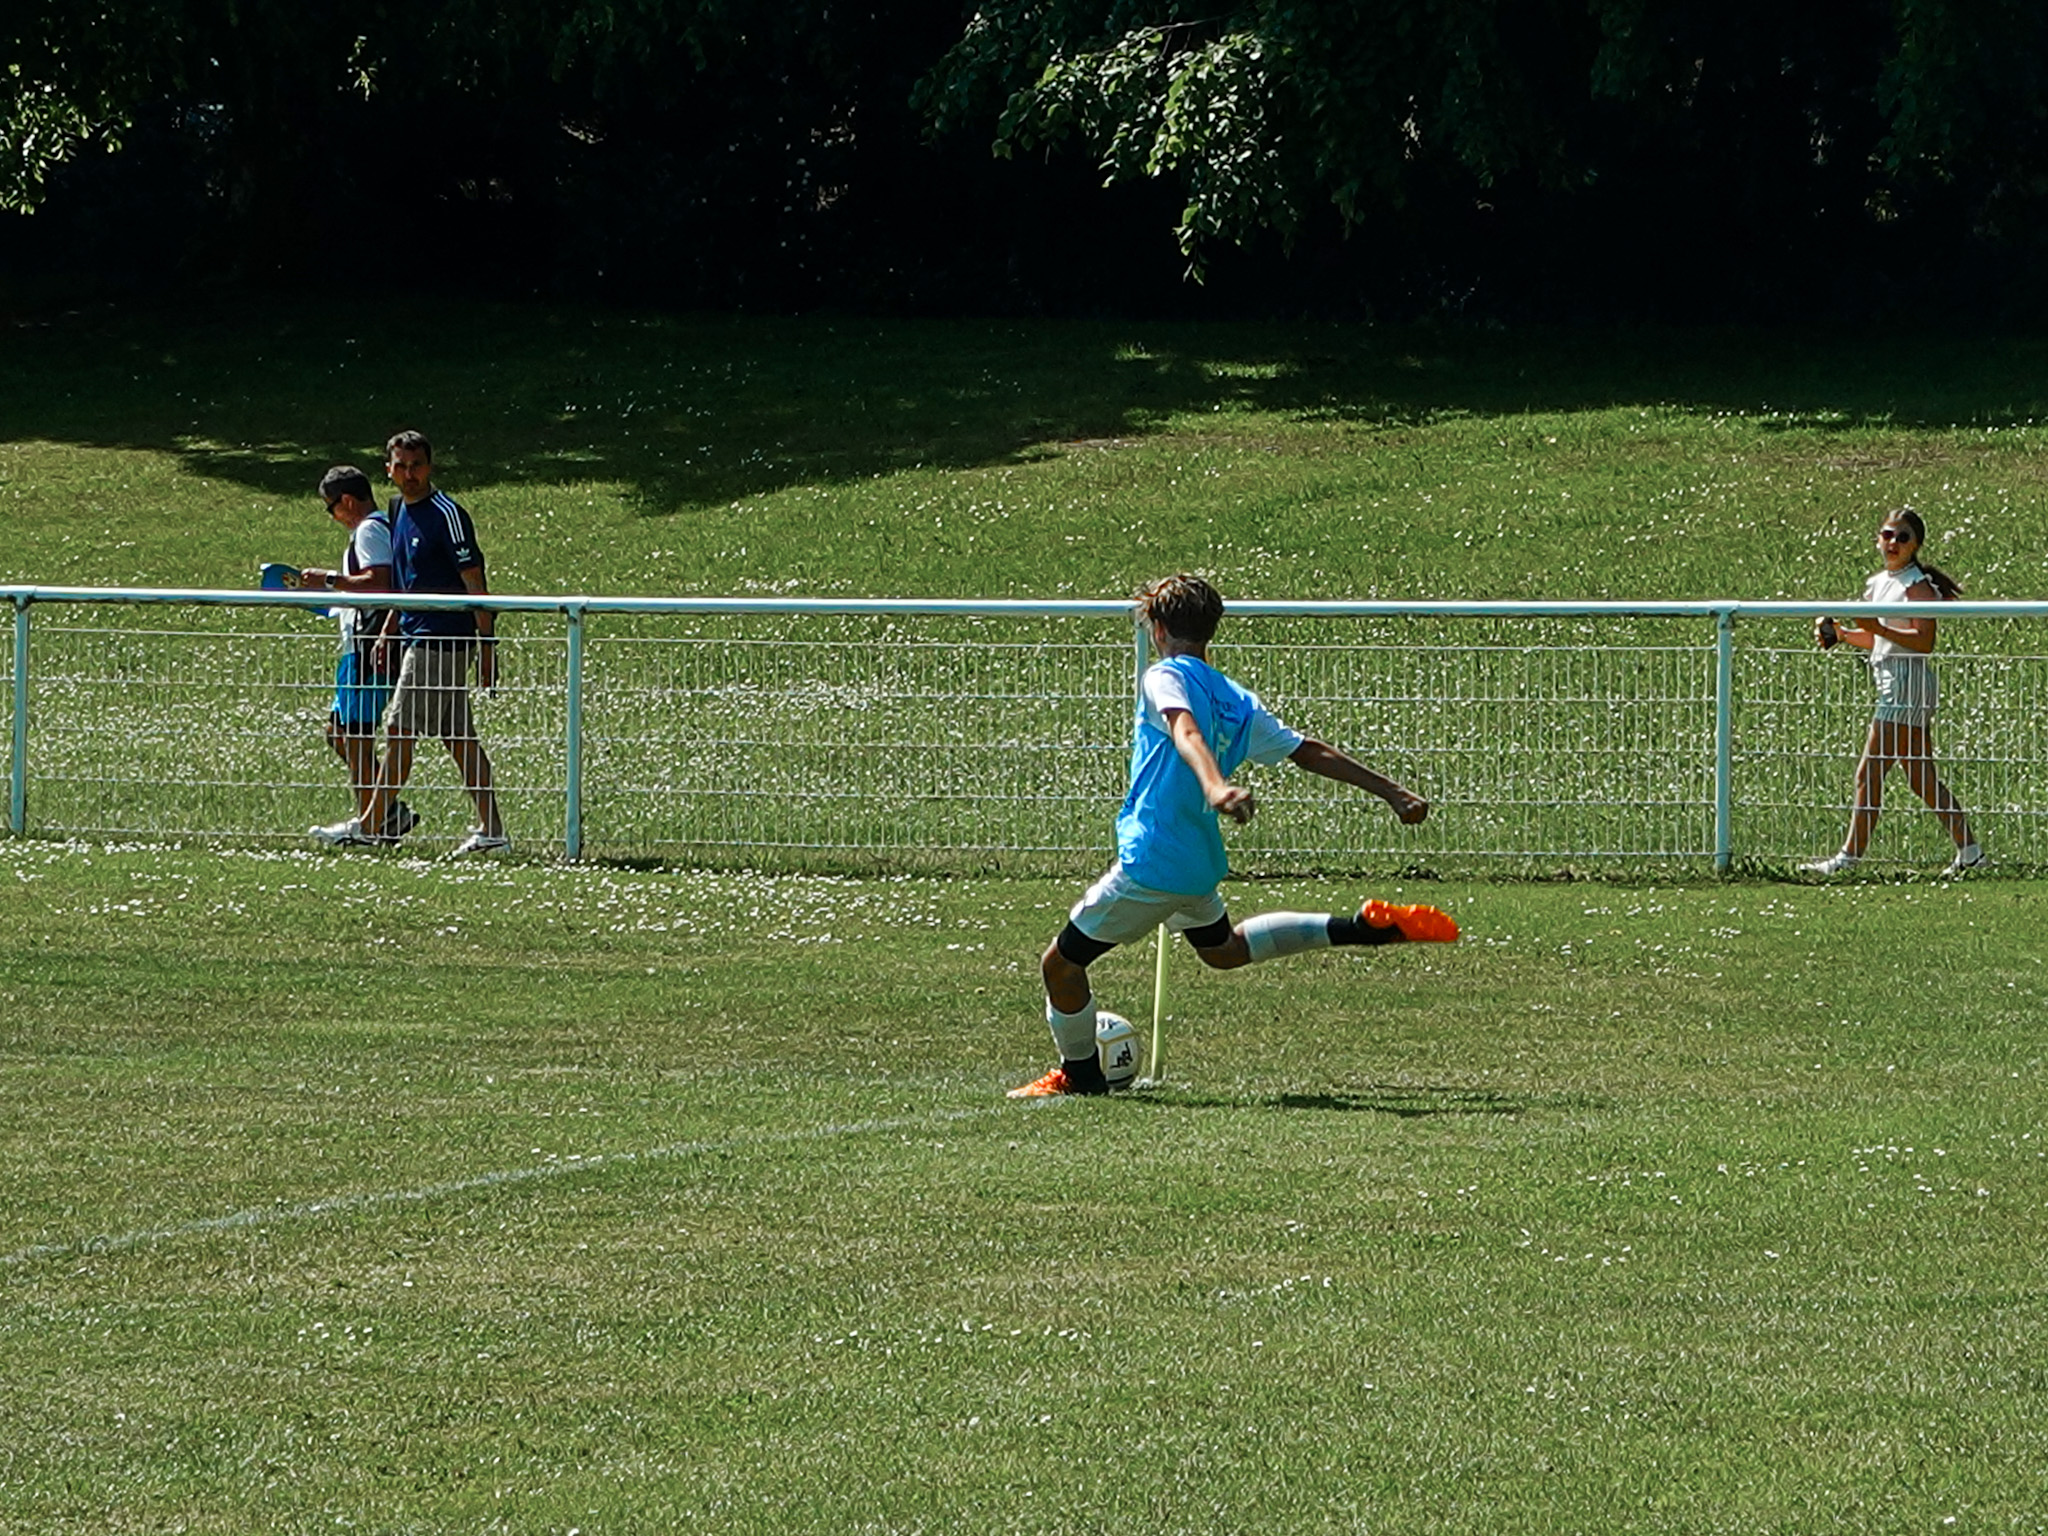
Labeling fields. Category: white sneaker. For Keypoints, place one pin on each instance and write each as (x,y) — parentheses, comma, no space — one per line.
(478,842)
(1833,864)
(1969,856)
(343,834)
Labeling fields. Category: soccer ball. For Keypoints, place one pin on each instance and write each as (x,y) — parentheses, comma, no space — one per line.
(1118,1048)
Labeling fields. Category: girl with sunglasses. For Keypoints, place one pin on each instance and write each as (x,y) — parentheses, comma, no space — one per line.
(1901,727)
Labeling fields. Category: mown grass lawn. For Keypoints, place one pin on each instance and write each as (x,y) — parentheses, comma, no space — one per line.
(386,1194)
(547,1198)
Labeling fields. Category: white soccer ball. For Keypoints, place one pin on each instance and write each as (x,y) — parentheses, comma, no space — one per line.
(1118,1048)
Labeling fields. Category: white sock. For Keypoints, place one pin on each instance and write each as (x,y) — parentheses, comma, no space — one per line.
(1272,934)
(1073,1033)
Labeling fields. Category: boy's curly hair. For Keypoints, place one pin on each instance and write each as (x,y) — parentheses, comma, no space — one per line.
(1185,606)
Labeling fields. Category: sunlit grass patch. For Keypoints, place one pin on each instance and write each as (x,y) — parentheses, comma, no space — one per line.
(1721,1201)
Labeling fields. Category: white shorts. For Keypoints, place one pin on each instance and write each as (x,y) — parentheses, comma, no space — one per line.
(1118,910)
(1906,689)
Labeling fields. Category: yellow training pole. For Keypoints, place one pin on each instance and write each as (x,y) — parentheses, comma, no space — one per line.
(1156,1072)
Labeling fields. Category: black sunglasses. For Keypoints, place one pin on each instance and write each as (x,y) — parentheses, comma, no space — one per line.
(1893,535)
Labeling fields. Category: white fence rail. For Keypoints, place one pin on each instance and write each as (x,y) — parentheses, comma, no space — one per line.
(971,736)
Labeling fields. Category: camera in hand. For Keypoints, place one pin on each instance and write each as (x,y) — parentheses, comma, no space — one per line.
(1825,630)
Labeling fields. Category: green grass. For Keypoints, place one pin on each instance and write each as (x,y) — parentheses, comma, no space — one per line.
(391,1195)
(633,454)
(368,1195)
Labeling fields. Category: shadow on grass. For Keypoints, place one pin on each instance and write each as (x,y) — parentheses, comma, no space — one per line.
(1406,1100)
(689,413)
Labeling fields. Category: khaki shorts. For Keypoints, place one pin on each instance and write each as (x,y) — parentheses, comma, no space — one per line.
(432,696)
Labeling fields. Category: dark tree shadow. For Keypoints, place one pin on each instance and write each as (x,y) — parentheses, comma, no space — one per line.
(690,413)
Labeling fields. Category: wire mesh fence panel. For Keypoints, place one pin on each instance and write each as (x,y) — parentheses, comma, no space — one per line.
(1802,719)
(155,723)
(1543,744)
(8,705)
(944,737)
(523,724)
(970,743)
(211,723)
(1991,737)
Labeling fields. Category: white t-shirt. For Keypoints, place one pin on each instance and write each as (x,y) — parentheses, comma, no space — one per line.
(1891,587)
(368,546)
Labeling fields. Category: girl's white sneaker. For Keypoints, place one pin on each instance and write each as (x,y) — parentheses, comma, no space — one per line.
(1969,856)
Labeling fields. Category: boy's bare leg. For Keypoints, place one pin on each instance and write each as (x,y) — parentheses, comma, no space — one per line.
(360,753)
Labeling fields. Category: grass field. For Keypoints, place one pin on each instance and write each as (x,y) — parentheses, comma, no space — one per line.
(633,454)
(392,1195)
(373,1196)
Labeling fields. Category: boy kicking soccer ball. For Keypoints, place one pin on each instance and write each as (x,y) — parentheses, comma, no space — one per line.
(1195,728)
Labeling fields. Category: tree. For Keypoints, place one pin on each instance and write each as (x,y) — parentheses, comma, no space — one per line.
(1268,112)
(720,148)
(731,152)
(1265,108)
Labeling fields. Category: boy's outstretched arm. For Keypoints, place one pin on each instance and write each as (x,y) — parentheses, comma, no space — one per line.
(1225,798)
(1319,757)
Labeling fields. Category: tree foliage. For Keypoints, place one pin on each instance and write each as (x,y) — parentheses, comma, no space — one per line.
(718,149)
(1261,108)
(1266,110)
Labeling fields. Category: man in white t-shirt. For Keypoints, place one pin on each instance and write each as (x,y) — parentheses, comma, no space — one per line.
(360,690)
(1194,728)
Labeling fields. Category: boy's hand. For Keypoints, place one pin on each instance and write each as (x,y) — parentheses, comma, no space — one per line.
(1234,801)
(1409,806)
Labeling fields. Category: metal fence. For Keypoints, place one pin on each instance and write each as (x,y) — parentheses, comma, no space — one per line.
(984,736)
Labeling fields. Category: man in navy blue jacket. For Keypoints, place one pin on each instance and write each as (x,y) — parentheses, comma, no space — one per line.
(433,549)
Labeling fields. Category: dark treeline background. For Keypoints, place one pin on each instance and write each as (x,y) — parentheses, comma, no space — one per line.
(1672,160)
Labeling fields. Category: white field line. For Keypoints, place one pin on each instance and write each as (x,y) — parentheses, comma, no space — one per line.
(335,1205)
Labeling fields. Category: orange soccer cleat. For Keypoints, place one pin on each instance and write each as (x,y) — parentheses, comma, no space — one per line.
(1419,925)
(1055,1084)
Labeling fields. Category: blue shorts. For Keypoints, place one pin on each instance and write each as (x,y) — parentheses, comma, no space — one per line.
(359,694)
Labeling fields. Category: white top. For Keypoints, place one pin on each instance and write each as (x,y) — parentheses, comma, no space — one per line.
(1891,587)
(369,545)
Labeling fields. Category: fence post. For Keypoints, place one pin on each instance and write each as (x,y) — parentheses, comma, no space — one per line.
(572,835)
(17,789)
(1724,738)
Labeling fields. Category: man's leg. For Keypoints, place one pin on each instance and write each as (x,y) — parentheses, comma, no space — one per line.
(478,779)
(398,752)
(408,705)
